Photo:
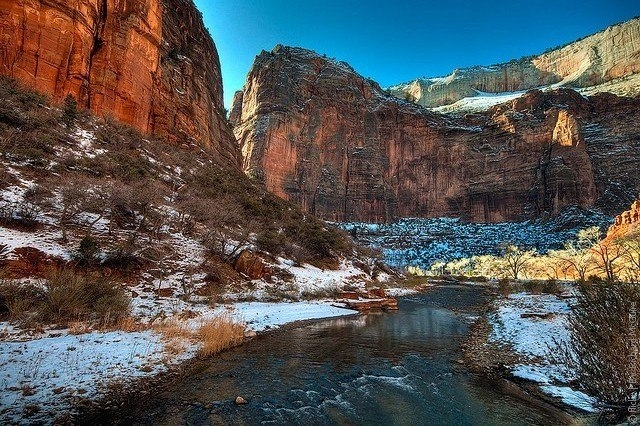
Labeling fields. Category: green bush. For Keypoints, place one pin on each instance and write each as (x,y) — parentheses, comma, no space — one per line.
(88,252)
(123,259)
(271,241)
(69,110)
(129,166)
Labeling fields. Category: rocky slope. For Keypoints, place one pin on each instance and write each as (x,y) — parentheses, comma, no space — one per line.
(315,132)
(148,63)
(608,57)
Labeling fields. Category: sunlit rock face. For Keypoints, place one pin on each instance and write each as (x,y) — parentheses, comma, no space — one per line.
(148,63)
(315,132)
(626,223)
(606,61)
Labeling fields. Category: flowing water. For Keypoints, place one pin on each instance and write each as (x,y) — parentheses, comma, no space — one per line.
(396,368)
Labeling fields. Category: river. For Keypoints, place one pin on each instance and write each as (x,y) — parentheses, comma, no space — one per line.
(389,368)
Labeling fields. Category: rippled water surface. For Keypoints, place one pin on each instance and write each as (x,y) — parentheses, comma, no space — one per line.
(396,368)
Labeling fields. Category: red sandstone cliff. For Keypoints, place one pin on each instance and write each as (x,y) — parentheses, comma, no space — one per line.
(316,133)
(149,63)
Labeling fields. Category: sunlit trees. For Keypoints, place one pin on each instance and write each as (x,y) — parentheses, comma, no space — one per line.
(577,255)
(630,246)
(516,259)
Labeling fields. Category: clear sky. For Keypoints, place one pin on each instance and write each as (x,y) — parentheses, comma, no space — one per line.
(397,41)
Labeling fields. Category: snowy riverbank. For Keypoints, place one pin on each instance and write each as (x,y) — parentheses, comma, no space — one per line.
(532,326)
(43,378)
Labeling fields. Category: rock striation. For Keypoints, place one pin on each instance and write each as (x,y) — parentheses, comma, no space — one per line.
(149,63)
(315,132)
(604,62)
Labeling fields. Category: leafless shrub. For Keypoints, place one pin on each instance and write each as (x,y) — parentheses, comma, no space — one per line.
(4,253)
(604,343)
(504,286)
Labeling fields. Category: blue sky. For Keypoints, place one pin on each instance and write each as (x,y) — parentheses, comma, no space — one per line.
(397,41)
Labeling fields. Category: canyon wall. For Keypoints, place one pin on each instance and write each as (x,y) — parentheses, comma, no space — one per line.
(315,132)
(148,63)
(609,56)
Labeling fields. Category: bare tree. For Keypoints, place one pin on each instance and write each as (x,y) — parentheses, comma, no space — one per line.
(98,202)
(630,246)
(578,255)
(130,207)
(516,259)
(70,200)
(226,230)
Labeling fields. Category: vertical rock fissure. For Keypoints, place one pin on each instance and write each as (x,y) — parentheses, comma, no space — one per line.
(97,43)
(346,185)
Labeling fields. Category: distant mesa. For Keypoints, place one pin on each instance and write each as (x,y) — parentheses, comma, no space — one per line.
(608,61)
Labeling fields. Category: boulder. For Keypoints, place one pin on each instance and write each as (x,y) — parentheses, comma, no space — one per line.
(252,266)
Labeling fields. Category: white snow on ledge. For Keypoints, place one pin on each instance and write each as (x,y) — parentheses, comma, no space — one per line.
(535,338)
(262,316)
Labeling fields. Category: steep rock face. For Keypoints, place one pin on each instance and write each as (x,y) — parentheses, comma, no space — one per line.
(626,223)
(608,56)
(316,133)
(131,59)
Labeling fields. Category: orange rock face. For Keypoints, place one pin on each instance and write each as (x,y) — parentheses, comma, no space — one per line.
(625,222)
(316,133)
(148,63)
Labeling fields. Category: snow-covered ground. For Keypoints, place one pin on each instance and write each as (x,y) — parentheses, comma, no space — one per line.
(535,338)
(41,378)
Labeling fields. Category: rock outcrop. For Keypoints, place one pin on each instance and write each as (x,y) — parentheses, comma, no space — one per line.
(148,63)
(626,223)
(609,56)
(315,132)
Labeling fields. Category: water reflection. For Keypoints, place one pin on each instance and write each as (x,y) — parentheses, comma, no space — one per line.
(375,369)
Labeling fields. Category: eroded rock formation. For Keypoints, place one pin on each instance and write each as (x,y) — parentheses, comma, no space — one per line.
(149,63)
(316,133)
(625,222)
(609,56)
(631,216)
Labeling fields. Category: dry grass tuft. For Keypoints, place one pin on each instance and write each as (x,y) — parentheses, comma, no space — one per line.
(216,335)
(219,334)
(173,329)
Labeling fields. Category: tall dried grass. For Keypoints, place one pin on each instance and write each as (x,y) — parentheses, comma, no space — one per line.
(219,334)
(215,335)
